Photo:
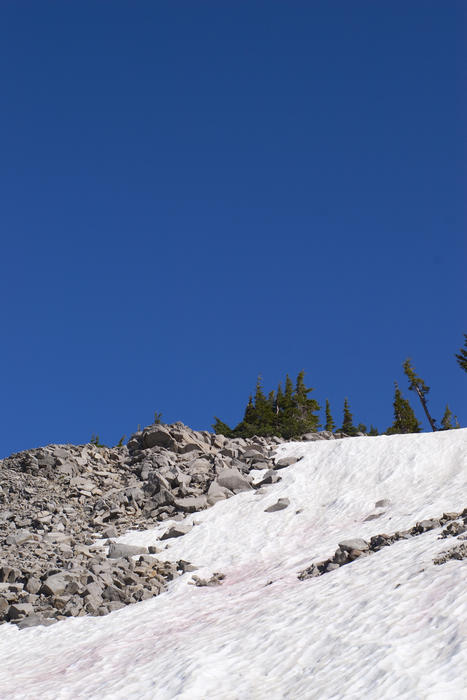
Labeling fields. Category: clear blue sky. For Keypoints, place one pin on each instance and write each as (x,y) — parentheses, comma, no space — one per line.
(193,193)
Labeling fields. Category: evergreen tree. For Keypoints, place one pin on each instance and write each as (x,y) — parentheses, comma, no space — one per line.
(221,428)
(404,417)
(305,408)
(329,424)
(249,425)
(462,356)
(361,428)
(373,431)
(286,418)
(347,425)
(264,411)
(418,385)
(446,419)
(288,413)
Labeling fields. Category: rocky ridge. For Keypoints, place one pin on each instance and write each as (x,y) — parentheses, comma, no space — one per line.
(56,501)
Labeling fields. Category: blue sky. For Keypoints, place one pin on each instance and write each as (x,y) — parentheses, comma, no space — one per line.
(193,193)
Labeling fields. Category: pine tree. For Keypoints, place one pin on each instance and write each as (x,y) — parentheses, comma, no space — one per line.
(462,356)
(418,385)
(329,424)
(264,411)
(249,425)
(404,417)
(446,419)
(373,431)
(221,428)
(288,413)
(305,408)
(286,418)
(347,425)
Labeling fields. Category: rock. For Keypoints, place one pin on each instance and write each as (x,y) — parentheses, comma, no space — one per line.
(112,593)
(177,530)
(109,532)
(56,537)
(233,480)
(458,552)
(217,493)
(191,504)
(117,550)
(285,462)
(191,447)
(271,477)
(54,585)
(425,526)
(340,557)
(18,610)
(218,441)
(312,437)
(379,541)
(357,544)
(200,465)
(332,566)
(253,454)
(157,435)
(185,566)
(279,505)
(453,529)
(156,483)
(33,585)
(9,574)
(34,621)
(449,516)
(93,589)
(19,537)
(215,580)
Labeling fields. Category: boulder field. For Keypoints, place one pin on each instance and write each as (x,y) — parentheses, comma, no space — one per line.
(58,501)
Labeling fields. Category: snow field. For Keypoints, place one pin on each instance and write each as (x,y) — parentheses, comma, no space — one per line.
(391,625)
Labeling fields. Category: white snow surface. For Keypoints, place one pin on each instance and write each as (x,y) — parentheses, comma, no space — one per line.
(391,625)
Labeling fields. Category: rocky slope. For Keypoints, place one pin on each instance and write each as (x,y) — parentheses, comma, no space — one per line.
(56,501)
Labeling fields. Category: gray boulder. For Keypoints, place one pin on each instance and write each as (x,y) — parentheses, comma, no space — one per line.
(191,504)
(354,544)
(285,462)
(271,477)
(217,493)
(117,550)
(157,436)
(177,530)
(279,505)
(18,610)
(54,585)
(233,480)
